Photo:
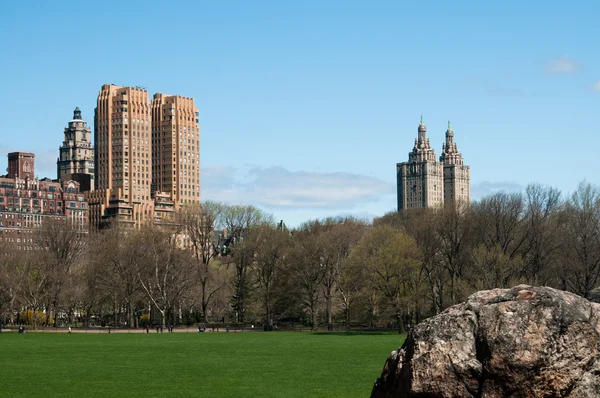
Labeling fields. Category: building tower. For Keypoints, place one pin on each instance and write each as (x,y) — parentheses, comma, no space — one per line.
(76,154)
(420,180)
(21,165)
(123,157)
(176,148)
(457,179)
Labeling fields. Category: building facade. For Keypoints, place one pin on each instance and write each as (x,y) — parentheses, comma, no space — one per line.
(176,147)
(25,203)
(76,154)
(147,156)
(425,182)
(123,157)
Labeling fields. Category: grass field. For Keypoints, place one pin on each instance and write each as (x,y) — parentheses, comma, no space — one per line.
(279,364)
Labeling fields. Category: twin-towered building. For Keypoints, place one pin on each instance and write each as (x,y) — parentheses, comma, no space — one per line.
(144,164)
(425,182)
(147,156)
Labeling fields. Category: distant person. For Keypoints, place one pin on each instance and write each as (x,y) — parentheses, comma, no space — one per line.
(70,330)
(147,328)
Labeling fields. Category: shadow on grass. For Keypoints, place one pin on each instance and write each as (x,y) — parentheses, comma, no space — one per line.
(360,333)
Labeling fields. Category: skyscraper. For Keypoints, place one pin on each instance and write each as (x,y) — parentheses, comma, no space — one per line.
(123,157)
(76,154)
(176,147)
(147,156)
(423,182)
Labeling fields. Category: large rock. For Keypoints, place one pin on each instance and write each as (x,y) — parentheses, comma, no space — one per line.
(520,342)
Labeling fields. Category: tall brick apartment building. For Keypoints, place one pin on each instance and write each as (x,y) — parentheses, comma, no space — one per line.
(26,202)
(147,156)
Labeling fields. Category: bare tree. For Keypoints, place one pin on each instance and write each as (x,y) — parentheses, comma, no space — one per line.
(544,218)
(93,291)
(198,224)
(454,229)
(267,266)
(165,272)
(340,236)
(11,279)
(492,268)
(118,254)
(499,220)
(581,237)
(350,284)
(242,247)
(62,245)
(307,270)
(35,285)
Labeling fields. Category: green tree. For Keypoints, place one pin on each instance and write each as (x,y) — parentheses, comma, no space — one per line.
(392,260)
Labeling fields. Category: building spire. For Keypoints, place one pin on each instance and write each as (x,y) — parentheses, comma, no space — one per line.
(76,114)
(449,128)
(422,130)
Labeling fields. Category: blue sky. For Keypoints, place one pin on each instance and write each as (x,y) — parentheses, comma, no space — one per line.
(306,107)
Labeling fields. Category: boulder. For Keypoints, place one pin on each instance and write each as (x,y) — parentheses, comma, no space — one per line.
(520,342)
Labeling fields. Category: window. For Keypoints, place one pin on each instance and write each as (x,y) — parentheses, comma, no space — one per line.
(72,204)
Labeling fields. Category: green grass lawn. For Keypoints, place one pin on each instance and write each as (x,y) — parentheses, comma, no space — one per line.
(279,364)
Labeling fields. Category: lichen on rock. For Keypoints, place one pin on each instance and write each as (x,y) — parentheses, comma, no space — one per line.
(520,342)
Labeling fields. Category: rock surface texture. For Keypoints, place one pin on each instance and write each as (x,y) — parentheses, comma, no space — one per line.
(520,342)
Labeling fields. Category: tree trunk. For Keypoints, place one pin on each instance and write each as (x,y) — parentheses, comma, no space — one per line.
(312,316)
(12,312)
(347,311)
(204,301)
(328,301)
(87,316)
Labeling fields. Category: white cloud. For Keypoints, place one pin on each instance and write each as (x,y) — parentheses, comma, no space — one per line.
(276,187)
(562,65)
(485,188)
(596,86)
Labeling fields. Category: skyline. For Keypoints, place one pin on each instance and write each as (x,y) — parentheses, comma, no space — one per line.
(305,109)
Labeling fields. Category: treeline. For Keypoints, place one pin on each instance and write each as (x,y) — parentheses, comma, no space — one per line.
(238,265)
